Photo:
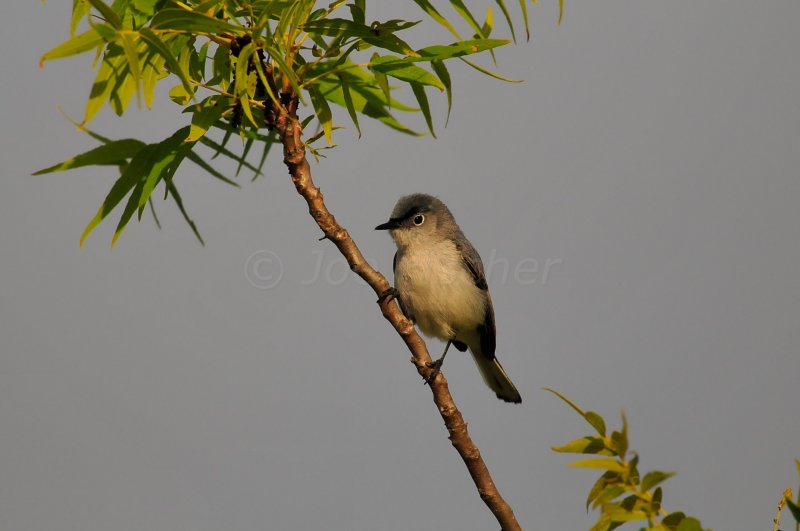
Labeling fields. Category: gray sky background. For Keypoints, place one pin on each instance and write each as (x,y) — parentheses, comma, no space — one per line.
(651,158)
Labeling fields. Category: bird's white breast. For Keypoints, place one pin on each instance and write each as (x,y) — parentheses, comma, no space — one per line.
(438,291)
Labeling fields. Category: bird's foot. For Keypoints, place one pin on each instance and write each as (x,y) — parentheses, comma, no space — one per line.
(388,295)
(436,366)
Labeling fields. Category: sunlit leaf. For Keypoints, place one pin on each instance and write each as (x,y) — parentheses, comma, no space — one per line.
(601,463)
(585,445)
(404,71)
(435,15)
(419,92)
(193,22)
(108,14)
(651,479)
(444,76)
(323,111)
(348,100)
(88,40)
(113,153)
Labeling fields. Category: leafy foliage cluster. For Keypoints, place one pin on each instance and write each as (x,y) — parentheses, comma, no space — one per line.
(241,63)
(621,493)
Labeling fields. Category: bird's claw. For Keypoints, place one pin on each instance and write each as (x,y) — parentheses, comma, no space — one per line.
(389,294)
(436,366)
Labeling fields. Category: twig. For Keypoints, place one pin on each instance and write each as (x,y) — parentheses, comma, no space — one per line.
(290,131)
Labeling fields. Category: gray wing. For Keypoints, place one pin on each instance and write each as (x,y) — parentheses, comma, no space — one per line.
(473,262)
(487,331)
(397,295)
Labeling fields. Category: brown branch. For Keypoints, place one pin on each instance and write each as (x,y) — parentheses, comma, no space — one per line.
(290,132)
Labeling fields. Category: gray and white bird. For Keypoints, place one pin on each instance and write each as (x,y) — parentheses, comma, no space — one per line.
(440,284)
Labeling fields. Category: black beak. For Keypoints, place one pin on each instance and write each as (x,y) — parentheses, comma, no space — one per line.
(389,225)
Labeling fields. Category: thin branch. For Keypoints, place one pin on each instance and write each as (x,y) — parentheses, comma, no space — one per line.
(290,131)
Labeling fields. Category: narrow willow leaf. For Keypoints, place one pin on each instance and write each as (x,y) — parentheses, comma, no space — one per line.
(651,479)
(368,101)
(105,10)
(159,47)
(163,155)
(489,73)
(348,101)
(444,77)
(131,175)
(435,15)
(132,55)
(204,115)
(595,420)
(242,81)
(465,13)
(192,22)
(113,153)
(323,111)
(458,49)
(194,157)
(178,201)
(105,81)
(603,482)
(794,508)
(220,149)
(585,445)
(123,92)
(153,212)
(560,11)
(601,463)
(79,10)
(127,213)
(507,16)
(88,40)
(419,92)
(524,8)
(404,71)
(248,145)
(381,80)
(608,494)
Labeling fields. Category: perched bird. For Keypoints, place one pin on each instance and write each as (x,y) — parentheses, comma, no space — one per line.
(440,284)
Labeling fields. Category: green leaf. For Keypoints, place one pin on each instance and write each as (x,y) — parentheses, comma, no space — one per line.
(611,465)
(243,84)
(88,40)
(507,16)
(178,201)
(194,157)
(130,177)
(672,520)
(107,13)
(444,76)
(159,46)
(323,111)
(435,15)
(192,22)
(489,73)
(132,55)
(113,153)
(524,8)
(462,10)
(458,49)
(348,100)
(204,115)
(585,445)
(398,69)
(340,27)
(651,479)
(689,524)
(419,92)
(794,508)
(595,420)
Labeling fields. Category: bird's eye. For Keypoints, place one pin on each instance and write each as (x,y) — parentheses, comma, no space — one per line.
(419,219)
